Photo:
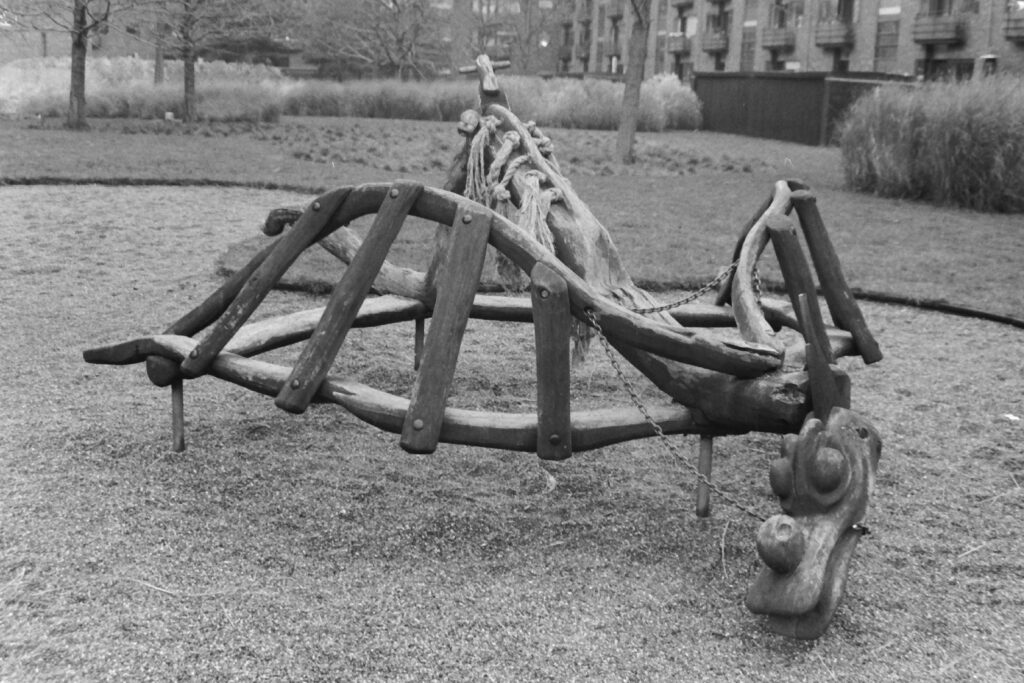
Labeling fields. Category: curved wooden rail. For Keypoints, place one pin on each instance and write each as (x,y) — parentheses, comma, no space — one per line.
(510,431)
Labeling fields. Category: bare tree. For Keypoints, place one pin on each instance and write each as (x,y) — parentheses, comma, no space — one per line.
(513,28)
(79,19)
(388,37)
(634,80)
(188,27)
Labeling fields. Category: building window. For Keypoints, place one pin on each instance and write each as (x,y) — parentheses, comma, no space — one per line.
(748,48)
(887,42)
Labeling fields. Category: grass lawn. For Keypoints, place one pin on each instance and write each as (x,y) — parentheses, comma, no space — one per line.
(282,547)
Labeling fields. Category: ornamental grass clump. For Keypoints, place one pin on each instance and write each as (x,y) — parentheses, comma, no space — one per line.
(959,144)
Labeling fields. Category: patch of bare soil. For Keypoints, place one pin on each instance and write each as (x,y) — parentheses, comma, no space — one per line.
(311,547)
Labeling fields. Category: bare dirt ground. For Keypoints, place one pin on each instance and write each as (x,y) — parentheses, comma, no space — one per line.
(302,548)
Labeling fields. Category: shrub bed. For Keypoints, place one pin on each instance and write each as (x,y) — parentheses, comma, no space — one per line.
(960,144)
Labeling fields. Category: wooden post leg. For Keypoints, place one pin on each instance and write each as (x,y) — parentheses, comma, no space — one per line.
(704,467)
(177,415)
(417,353)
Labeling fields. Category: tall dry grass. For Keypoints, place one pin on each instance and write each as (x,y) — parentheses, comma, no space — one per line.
(959,144)
(123,87)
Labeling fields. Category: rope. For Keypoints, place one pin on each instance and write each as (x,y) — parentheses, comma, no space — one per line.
(591,320)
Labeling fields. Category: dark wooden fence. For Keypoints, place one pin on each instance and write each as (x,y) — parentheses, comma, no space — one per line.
(796,107)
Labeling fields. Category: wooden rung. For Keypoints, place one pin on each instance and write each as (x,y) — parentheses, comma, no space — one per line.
(704,467)
(177,416)
(552,326)
(797,275)
(305,231)
(456,287)
(846,314)
(320,351)
(824,392)
(163,371)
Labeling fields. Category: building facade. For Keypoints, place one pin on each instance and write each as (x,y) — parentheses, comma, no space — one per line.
(924,38)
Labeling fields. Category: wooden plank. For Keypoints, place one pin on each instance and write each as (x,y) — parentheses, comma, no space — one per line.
(704,467)
(417,341)
(552,326)
(163,372)
(456,289)
(305,232)
(796,273)
(318,355)
(846,314)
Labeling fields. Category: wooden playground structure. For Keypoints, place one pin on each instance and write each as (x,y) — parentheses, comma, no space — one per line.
(505,190)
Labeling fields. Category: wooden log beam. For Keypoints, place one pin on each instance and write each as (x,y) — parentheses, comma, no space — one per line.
(797,276)
(177,415)
(725,289)
(509,431)
(824,393)
(678,343)
(305,231)
(319,353)
(552,327)
(750,319)
(846,314)
(456,288)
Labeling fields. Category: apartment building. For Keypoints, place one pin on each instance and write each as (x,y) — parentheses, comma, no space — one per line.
(923,38)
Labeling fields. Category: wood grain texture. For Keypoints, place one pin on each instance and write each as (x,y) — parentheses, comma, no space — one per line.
(305,232)
(342,308)
(846,314)
(552,327)
(457,285)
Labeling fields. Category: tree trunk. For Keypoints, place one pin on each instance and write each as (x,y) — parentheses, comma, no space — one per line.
(79,50)
(189,112)
(634,79)
(158,62)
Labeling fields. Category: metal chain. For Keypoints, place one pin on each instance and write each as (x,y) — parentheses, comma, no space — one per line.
(658,431)
(719,279)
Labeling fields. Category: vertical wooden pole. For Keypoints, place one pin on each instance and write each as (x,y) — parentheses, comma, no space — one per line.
(552,326)
(417,343)
(177,415)
(704,467)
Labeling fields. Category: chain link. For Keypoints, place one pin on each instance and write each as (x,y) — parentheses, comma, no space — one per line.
(658,431)
(690,298)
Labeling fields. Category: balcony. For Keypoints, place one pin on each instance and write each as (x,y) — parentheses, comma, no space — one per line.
(715,41)
(679,43)
(938,29)
(1013,28)
(778,38)
(833,34)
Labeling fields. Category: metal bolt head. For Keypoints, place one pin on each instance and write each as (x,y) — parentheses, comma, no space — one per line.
(466,218)
(316,206)
(544,294)
(554,439)
(394,192)
(194,353)
(296,384)
(417,424)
